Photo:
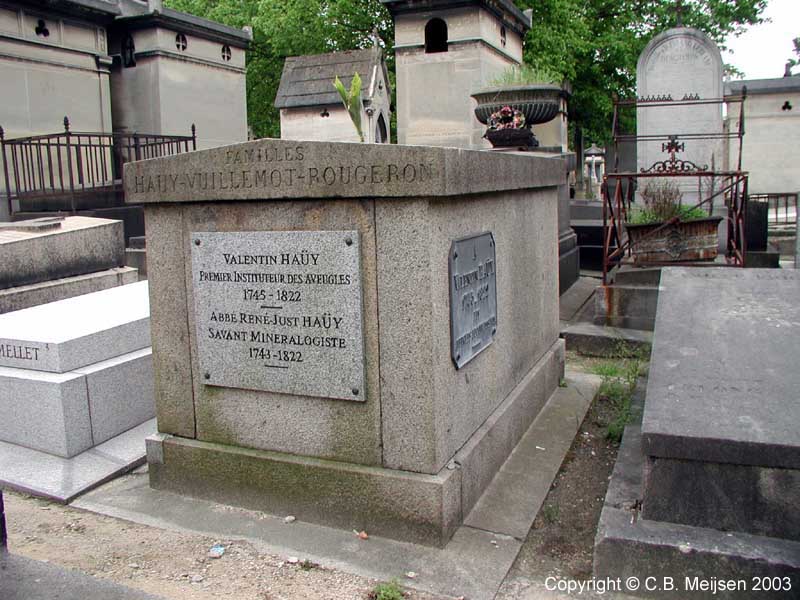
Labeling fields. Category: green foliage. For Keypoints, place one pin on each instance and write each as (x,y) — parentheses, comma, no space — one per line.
(619,382)
(352,101)
(793,62)
(662,202)
(592,43)
(525,75)
(642,216)
(283,28)
(595,44)
(550,513)
(387,591)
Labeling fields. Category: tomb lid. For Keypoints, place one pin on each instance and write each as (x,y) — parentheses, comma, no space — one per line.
(723,377)
(308,80)
(503,9)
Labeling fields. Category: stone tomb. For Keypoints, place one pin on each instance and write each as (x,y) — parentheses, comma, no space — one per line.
(52,258)
(717,464)
(301,326)
(77,372)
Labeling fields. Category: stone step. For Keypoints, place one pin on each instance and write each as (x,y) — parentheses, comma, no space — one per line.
(67,413)
(626,306)
(69,334)
(34,294)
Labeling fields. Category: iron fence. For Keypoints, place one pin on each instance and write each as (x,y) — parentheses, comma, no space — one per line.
(63,167)
(782,208)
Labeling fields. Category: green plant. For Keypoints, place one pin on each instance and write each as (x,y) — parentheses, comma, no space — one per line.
(307,565)
(619,382)
(550,513)
(387,591)
(352,101)
(662,202)
(525,75)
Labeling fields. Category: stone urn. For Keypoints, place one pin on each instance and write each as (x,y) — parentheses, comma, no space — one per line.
(539,103)
(689,241)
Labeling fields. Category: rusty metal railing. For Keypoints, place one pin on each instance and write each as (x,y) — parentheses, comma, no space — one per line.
(782,208)
(64,166)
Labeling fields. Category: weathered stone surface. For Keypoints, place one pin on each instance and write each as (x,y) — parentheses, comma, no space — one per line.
(419,508)
(34,294)
(757,500)
(680,62)
(311,426)
(120,393)
(723,377)
(266,169)
(419,410)
(63,479)
(280,311)
(45,411)
(80,245)
(72,333)
(432,409)
(630,546)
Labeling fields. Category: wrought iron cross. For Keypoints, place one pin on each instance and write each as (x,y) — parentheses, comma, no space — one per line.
(673,147)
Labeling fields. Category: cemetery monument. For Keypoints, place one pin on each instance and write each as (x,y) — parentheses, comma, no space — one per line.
(355,334)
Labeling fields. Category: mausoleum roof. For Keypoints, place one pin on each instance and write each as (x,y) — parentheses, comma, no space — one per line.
(308,80)
(136,14)
(519,21)
(778,85)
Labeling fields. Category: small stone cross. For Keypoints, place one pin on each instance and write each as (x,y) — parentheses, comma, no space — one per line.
(678,13)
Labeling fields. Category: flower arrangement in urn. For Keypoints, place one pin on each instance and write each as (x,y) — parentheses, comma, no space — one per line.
(519,98)
(507,118)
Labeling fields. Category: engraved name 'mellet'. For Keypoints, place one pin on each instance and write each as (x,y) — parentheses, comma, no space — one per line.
(280,167)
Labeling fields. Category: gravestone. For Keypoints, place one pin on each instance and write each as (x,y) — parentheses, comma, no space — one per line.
(715,468)
(306,358)
(83,367)
(679,64)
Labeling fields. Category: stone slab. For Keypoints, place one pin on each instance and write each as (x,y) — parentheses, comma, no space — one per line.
(80,245)
(120,393)
(65,335)
(571,301)
(34,294)
(600,340)
(626,306)
(758,500)
(723,376)
(27,579)
(472,565)
(280,311)
(510,503)
(266,169)
(63,479)
(45,411)
(408,506)
(630,546)
(488,448)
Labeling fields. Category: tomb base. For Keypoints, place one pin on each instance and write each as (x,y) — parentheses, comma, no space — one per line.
(404,505)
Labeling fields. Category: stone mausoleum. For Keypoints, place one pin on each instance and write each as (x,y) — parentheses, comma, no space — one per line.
(120,66)
(312,109)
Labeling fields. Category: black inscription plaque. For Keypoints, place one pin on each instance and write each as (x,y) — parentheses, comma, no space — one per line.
(473,297)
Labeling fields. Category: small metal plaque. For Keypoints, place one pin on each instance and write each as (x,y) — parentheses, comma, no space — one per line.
(280,311)
(473,297)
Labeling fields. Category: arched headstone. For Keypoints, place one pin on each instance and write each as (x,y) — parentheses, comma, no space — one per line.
(680,63)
